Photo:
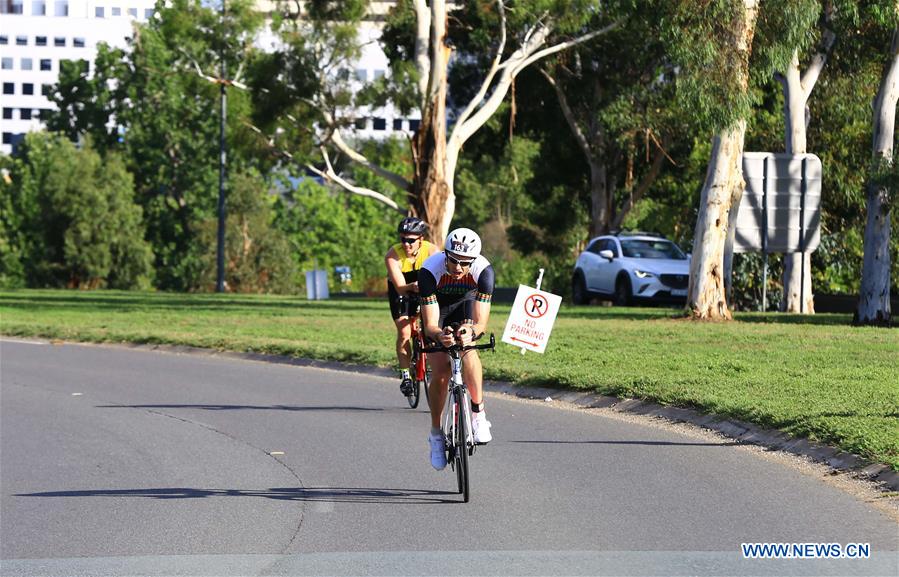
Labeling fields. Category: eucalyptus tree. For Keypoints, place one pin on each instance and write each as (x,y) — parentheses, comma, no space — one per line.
(616,95)
(714,47)
(418,41)
(797,85)
(874,296)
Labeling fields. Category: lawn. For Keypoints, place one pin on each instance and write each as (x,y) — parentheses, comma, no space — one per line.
(811,376)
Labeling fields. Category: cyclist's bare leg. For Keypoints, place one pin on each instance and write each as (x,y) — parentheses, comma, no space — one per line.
(404,341)
(440,376)
(473,375)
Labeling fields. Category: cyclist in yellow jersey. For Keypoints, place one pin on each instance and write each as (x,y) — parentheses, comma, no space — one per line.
(403,262)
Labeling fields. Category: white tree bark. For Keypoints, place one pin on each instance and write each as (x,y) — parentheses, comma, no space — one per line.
(874,296)
(722,190)
(723,185)
(797,91)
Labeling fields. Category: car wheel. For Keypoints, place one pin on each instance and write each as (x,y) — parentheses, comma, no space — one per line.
(622,292)
(579,293)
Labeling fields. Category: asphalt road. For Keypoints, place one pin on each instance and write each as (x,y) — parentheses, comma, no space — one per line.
(136,462)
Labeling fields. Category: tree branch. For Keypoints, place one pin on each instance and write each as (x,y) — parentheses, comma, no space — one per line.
(422,34)
(644,185)
(330,174)
(394,178)
(828,39)
(488,80)
(569,115)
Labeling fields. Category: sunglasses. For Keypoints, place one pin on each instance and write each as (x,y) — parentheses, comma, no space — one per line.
(407,240)
(457,261)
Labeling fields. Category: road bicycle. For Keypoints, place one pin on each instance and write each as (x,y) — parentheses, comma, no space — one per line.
(419,370)
(456,426)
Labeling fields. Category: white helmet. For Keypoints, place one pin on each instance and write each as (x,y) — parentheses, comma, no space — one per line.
(463,242)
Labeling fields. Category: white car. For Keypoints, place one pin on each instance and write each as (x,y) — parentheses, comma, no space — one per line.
(631,267)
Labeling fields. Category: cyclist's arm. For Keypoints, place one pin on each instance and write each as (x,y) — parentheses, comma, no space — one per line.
(395,274)
(430,310)
(481,309)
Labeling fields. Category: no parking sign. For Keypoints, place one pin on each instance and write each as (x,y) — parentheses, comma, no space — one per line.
(532,318)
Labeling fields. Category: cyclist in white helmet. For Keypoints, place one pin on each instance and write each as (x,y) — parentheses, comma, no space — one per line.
(456,286)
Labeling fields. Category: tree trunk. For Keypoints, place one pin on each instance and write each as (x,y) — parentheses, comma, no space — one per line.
(432,193)
(874,296)
(599,196)
(795,112)
(722,190)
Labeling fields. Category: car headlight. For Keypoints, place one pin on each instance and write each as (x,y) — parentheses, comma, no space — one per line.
(643,274)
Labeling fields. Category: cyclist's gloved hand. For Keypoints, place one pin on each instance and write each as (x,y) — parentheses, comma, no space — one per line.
(465,334)
(447,338)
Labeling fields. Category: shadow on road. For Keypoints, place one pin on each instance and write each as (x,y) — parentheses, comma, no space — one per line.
(251,407)
(310,494)
(651,443)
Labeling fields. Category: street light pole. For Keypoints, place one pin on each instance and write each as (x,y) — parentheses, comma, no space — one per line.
(220,255)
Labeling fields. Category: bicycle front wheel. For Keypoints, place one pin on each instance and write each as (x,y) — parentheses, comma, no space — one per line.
(462,434)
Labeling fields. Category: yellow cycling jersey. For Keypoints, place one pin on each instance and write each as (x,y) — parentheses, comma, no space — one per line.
(409,265)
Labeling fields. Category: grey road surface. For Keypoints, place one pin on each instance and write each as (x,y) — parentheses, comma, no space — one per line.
(117,461)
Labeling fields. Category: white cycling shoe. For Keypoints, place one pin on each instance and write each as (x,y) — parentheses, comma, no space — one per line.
(480,428)
(438,451)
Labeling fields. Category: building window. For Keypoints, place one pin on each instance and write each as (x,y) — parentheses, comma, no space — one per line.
(148,13)
(132,12)
(44,114)
(379,123)
(116,11)
(25,113)
(9,88)
(7,138)
(413,124)
(21,41)
(46,64)
(361,75)
(360,123)
(59,41)
(38,8)
(7,114)
(379,74)
(47,90)
(12,7)
(27,88)
(27,64)
(78,42)
(6,63)
(99,12)
(4,39)
(61,8)
(397,123)
(40,40)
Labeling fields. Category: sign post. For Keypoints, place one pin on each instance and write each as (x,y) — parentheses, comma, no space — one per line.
(532,318)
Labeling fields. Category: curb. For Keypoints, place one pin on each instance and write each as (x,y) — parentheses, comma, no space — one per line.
(837,459)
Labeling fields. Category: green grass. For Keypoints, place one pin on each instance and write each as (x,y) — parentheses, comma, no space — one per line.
(814,376)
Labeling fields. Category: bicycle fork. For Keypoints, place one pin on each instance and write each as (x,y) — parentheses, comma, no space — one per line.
(453,410)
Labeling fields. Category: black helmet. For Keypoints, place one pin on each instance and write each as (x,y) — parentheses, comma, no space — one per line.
(412,225)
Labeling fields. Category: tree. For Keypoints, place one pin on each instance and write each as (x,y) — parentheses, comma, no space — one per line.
(421,34)
(78,225)
(155,104)
(797,89)
(616,95)
(714,47)
(874,296)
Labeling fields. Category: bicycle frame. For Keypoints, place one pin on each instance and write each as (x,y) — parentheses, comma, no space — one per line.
(456,419)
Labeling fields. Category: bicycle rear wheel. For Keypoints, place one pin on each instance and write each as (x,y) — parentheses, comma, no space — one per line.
(462,433)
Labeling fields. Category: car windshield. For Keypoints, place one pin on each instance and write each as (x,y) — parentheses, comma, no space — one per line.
(652,249)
